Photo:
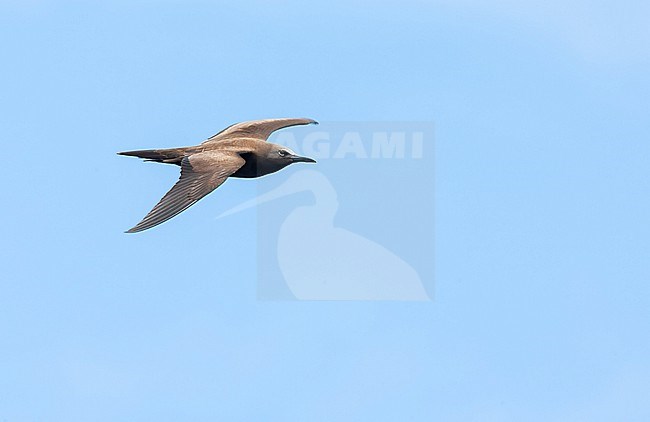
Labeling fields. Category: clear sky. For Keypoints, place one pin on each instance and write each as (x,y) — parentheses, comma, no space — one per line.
(540,307)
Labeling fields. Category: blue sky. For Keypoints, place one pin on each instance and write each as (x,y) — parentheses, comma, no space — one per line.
(541,305)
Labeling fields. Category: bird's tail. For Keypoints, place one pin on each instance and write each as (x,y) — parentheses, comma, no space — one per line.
(169,156)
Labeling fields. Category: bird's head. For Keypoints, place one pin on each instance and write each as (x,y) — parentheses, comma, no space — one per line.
(284,156)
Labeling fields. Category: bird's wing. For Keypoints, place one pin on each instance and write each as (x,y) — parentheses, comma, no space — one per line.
(200,174)
(257,129)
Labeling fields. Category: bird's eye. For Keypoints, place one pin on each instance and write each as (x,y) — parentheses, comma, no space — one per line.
(283,153)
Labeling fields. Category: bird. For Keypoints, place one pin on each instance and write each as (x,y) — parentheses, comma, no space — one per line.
(240,150)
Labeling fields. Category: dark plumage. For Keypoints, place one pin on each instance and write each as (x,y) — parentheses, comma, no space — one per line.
(240,150)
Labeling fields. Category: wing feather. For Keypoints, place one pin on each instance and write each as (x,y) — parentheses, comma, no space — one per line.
(257,129)
(200,174)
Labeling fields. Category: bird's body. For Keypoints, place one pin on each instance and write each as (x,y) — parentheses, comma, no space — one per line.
(240,151)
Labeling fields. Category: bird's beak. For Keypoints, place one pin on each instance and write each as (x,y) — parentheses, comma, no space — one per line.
(299,159)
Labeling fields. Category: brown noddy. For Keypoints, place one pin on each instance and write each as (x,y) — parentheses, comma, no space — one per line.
(239,150)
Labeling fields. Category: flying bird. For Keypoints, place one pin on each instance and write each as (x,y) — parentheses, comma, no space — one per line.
(239,150)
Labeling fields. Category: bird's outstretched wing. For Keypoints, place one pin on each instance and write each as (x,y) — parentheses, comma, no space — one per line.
(200,174)
(257,129)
